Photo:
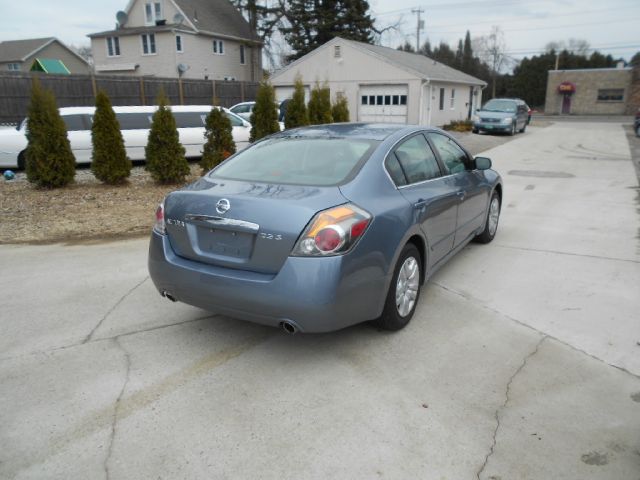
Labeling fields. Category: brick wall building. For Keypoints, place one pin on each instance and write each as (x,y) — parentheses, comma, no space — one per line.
(593,91)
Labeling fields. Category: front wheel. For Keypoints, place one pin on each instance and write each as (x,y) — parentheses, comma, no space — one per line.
(512,132)
(404,290)
(493,216)
(524,127)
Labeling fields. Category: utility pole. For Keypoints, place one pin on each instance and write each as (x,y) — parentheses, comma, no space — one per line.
(420,26)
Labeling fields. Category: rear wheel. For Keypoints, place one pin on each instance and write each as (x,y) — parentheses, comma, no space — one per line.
(493,216)
(404,290)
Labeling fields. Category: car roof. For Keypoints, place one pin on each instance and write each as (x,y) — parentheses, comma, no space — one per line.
(370,131)
(136,109)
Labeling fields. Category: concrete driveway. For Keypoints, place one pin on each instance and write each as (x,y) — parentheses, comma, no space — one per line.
(522,362)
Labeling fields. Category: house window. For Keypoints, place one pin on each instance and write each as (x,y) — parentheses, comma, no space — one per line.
(403,99)
(152,12)
(610,94)
(396,100)
(336,51)
(364,100)
(442,99)
(453,98)
(149,44)
(113,46)
(218,47)
(242,60)
(179,44)
(14,67)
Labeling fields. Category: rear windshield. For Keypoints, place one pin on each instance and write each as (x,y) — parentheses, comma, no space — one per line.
(508,106)
(298,160)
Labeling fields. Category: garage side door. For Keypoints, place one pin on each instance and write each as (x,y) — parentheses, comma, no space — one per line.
(383,103)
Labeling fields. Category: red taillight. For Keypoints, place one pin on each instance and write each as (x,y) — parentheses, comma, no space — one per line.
(333,232)
(358,228)
(159,226)
(329,239)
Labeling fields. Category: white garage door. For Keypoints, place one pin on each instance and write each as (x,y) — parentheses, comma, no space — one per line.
(383,103)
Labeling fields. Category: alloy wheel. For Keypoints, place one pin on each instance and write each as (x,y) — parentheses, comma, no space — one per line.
(407,286)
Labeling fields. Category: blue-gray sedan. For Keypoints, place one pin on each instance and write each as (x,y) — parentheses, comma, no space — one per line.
(318,228)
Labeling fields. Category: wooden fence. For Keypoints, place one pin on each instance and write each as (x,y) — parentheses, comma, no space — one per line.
(80,90)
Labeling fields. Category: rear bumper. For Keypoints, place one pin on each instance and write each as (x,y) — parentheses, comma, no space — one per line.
(315,294)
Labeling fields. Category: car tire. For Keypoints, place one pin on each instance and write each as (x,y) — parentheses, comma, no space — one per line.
(404,291)
(475,130)
(524,127)
(638,131)
(22,161)
(512,132)
(491,223)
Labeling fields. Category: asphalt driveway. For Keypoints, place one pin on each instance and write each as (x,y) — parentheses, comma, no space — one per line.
(522,361)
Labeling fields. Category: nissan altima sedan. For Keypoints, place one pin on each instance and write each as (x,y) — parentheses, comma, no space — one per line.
(318,228)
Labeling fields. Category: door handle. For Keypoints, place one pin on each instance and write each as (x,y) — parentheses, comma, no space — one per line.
(420,204)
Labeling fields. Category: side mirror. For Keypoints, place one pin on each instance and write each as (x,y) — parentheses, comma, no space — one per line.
(482,163)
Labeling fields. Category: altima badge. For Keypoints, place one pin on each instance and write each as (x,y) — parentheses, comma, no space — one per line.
(223,206)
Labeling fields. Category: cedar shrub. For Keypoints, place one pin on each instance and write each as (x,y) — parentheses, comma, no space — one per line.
(340,109)
(165,155)
(49,160)
(264,118)
(320,105)
(109,161)
(219,142)
(297,114)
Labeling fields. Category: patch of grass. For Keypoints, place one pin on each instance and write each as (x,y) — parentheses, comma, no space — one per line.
(459,126)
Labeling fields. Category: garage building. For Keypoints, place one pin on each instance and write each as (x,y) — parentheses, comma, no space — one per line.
(385,85)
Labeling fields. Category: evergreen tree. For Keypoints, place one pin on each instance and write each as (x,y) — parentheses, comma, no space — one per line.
(320,105)
(407,47)
(340,110)
(426,49)
(109,161)
(459,56)
(219,140)
(315,22)
(468,63)
(264,118)
(443,54)
(49,160)
(165,155)
(297,114)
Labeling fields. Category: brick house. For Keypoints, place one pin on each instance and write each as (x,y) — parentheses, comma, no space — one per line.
(205,39)
(593,91)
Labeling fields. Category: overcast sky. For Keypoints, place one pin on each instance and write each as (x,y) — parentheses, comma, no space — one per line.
(528,25)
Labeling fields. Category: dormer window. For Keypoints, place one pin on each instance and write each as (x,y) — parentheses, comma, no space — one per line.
(152,12)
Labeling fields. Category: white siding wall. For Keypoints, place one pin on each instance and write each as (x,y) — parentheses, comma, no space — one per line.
(460,108)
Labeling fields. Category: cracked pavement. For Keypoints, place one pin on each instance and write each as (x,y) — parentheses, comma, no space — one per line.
(522,361)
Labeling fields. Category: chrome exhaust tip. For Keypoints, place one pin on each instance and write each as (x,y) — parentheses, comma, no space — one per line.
(289,328)
(169,296)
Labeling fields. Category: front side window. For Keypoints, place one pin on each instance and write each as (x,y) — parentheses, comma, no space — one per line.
(242,59)
(113,46)
(298,161)
(611,94)
(416,160)
(453,157)
(218,47)
(148,44)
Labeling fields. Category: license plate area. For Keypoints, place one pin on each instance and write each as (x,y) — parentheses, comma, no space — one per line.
(225,243)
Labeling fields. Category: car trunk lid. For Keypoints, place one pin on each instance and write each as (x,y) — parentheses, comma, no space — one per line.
(242,225)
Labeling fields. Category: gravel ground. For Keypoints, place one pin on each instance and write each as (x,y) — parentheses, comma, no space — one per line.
(89,211)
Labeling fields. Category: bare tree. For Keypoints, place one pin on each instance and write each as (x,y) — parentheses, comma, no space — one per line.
(492,50)
(577,46)
(84,51)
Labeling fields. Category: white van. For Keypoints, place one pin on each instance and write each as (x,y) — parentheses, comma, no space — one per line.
(134,124)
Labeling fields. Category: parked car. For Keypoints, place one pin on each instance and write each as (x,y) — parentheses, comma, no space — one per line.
(317,228)
(636,124)
(134,124)
(245,109)
(502,115)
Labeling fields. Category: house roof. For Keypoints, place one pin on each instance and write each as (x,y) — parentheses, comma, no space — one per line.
(211,17)
(216,16)
(426,67)
(19,50)
(420,65)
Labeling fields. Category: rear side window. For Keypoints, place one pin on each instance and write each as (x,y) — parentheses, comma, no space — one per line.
(298,161)
(134,121)
(241,109)
(453,157)
(74,123)
(395,170)
(188,119)
(416,160)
